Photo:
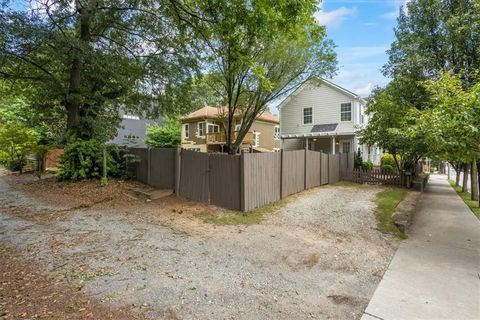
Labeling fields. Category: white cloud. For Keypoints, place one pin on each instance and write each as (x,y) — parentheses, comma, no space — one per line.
(395,12)
(360,53)
(364,91)
(335,17)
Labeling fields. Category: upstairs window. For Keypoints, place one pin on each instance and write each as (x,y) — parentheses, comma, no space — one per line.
(256,139)
(186,129)
(276,132)
(346,112)
(213,128)
(307,116)
(201,129)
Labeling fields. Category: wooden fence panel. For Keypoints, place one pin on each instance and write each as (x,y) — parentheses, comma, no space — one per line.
(194,176)
(293,172)
(140,164)
(313,168)
(333,168)
(262,178)
(324,168)
(162,168)
(225,181)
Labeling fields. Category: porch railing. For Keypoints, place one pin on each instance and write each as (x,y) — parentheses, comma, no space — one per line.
(219,138)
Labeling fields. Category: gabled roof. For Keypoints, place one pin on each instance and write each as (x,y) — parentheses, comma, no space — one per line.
(323,81)
(215,113)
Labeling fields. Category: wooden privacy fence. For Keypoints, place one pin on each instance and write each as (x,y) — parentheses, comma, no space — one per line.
(238,182)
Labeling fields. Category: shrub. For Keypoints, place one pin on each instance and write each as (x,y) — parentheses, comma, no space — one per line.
(388,159)
(357,161)
(17,141)
(164,137)
(367,165)
(387,168)
(83,159)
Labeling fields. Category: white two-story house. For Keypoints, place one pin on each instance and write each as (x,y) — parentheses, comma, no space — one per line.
(322,116)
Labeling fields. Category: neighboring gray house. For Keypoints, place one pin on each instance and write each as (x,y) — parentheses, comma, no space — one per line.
(323,116)
(133,130)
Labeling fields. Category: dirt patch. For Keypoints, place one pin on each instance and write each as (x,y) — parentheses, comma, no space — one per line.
(26,293)
(165,262)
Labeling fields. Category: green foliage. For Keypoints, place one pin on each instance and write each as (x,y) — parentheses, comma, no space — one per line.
(83,159)
(388,163)
(165,136)
(387,168)
(357,160)
(17,142)
(466,196)
(260,50)
(367,165)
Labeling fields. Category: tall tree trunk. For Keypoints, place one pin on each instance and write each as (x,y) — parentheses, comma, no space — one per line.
(465,177)
(73,104)
(473,178)
(457,174)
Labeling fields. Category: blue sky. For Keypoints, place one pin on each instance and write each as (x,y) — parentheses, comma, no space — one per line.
(362,31)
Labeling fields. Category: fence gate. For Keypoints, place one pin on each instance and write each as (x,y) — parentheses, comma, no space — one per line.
(194,177)
(324,170)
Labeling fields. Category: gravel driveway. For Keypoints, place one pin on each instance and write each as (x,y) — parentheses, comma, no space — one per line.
(318,257)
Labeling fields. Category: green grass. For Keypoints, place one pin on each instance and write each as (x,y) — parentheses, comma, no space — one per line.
(241,218)
(466,196)
(387,201)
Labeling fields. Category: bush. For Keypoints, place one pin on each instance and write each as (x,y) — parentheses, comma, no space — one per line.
(17,141)
(83,159)
(357,161)
(388,159)
(387,168)
(164,137)
(367,165)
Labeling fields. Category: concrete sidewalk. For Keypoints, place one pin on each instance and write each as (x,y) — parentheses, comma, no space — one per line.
(435,274)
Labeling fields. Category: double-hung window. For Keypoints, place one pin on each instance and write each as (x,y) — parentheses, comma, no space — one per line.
(346,147)
(346,112)
(276,133)
(307,115)
(201,129)
(186,129)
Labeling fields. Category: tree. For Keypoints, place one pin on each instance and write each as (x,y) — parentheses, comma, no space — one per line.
(16,142)
(165,136)
(93,56)
(259,49)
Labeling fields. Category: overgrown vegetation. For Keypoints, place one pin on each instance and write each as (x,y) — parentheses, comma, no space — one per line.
(387,201)
(166,136)
(17,142)
(466,197)
(242,218)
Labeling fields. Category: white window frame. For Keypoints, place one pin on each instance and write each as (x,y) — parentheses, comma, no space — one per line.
(276,132)
(256,139)
(131,117)
(237,126)
(214,125)
(201,132)
(342,112)
(186,130)
(311,116)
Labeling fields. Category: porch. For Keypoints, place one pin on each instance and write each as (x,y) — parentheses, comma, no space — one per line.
(333,143)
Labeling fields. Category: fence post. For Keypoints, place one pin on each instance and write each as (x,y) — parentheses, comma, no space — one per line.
(328,168)
(242,181)
(178,163)
(305,170)
(149,166)
(281,174)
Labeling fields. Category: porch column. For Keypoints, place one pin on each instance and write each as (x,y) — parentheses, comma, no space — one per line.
(333,145)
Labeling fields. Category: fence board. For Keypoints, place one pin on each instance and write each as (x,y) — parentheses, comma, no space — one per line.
(293,172)
(162,168)
(313,168)
(261,179)
(333,168)
(194,177)
(324,168)
(140,165)
(225,181)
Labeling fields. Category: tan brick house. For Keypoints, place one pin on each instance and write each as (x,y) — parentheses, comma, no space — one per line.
(203,130)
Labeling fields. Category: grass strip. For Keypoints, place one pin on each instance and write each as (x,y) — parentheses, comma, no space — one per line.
(241,218)
(387,201)
(466,196)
